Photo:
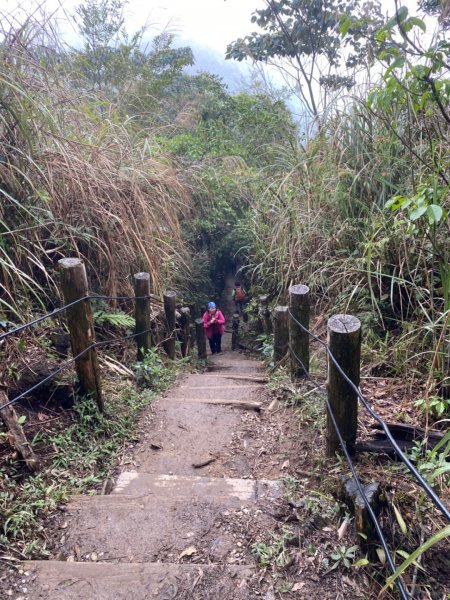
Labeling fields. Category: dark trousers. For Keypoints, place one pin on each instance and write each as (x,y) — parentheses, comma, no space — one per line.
(215,343)
(239,306)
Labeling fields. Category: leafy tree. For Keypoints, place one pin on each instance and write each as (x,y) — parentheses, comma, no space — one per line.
(438,8)
(249,126)
(101,25)
(113,60)
(305,35)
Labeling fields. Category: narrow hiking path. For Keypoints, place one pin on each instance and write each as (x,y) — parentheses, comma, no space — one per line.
(195,492)
(218,464)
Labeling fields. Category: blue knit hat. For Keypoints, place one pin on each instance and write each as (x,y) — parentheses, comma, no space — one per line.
(211,305)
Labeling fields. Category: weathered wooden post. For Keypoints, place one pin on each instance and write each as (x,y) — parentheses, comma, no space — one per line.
(235,332)
(142,313)
(16,436)
(169,309)
(351,495)
(81,326)
(298,337)
(201,338)
(185,321)
(264,314)
(280,332)
(193,310)
(344,341)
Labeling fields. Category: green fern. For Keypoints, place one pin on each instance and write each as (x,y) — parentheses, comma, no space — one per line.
(117,319)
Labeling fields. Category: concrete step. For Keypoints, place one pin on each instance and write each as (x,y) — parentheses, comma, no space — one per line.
(231,378)
(155,517)
(54,580)
(234,360)
(208,398)
(232,492)
(225,391)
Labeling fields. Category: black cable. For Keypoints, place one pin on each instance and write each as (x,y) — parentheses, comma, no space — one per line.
(102,297)
(63,308)
(370,510)
(70,362)
(430,492)
(39,319)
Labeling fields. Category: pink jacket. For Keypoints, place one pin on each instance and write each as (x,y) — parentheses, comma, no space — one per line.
(217,327)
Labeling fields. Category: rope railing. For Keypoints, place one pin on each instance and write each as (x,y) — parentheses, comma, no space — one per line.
(404,595)
(422,482)
(68,363)
(53,313)
(61,309)
(75,291)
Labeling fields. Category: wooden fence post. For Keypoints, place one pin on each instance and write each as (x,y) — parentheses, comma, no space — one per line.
(235,332)
(344,341)
(201,338)
(280,332)
(16,435)
(142,313)
(264,314)
(193,310)
(185,331)
(298,338)
(81,326)
(169,309)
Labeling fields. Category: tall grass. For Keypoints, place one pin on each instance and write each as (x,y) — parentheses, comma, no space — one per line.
(323,222)
(76,178)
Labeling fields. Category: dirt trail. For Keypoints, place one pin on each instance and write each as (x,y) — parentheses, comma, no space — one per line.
(193,495)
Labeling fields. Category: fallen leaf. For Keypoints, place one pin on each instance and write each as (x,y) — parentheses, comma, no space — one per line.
(298,586)
(274,405)
(342,529)
(285,465)
(189,551)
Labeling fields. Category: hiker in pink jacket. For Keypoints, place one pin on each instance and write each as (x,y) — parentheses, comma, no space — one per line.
(214,324)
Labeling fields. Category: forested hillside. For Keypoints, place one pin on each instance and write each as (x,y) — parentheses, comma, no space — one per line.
(119,154)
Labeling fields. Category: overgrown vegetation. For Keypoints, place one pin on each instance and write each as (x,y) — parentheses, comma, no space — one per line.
(79,449)
(113,152)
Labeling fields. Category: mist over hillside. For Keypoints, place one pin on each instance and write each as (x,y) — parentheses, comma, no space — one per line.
(209,59)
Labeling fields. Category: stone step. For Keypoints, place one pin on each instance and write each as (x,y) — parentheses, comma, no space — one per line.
(223,379)
(55,580)
(232,492)
(155,517)
(236,392)
(241,403)
(235,360)
(250,366)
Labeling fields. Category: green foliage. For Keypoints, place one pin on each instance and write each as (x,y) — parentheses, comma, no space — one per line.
(341,557)
(275,552)
(117,319)
(433,463)
(435,406)
(266,349)
(112,59)
(440,535)
(306,34)
(83,454)
(151,371)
